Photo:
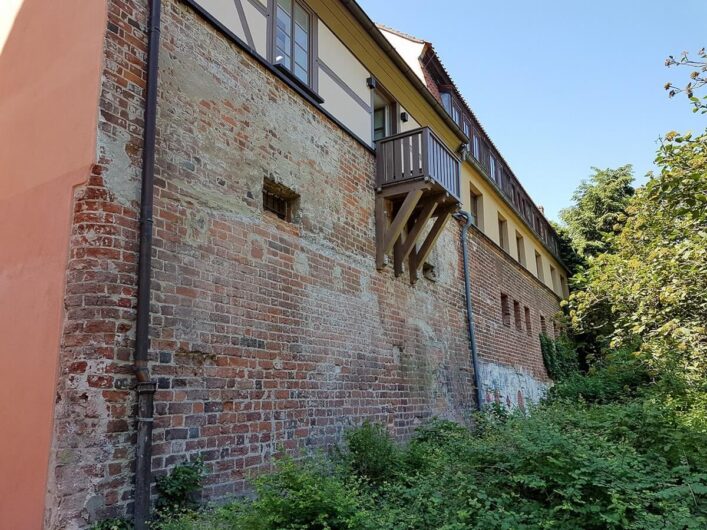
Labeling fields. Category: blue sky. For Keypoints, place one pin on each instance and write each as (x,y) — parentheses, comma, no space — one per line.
(563,85)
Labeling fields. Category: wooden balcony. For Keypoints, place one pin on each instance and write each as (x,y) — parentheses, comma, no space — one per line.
(417,155)
(417,180)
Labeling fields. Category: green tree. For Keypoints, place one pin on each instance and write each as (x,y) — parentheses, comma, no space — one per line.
(598,210)
(655,281)
(568,254)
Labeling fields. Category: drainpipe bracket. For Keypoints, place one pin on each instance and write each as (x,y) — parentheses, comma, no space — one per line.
(146,388)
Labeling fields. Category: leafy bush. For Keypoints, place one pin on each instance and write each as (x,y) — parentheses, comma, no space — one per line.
(176,493)
(617,377)
(298,496)
(559,356)
(370,453)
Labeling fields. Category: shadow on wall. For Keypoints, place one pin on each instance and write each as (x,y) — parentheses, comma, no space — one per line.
(510,386)
(50,65)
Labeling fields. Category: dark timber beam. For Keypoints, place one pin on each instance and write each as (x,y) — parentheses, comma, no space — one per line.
(428,208)
(401,218)
(432,236)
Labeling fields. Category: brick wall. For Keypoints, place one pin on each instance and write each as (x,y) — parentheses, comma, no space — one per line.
(512,369)
(266,335)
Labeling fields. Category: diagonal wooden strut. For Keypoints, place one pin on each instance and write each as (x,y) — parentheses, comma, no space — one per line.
(387,235)
(418,257)
(428,208)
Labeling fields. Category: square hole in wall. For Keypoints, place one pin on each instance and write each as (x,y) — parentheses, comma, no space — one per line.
(280,200)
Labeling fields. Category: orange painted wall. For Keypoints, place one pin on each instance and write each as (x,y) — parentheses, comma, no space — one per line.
(50,67)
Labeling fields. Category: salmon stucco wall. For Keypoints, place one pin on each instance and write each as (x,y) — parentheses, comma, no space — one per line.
(50,64)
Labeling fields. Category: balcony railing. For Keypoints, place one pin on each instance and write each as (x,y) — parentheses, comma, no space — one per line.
(416,154)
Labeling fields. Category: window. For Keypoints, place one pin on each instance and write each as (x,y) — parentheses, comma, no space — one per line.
(492,168)
(456,114)
(553,278)
(383,113)
(280,200)
(563,286)
(543,325)
(528,324)
(293,38)
(476,207)
(502,232)
(539,266)
(446,101)
(475,146)
(520,246)
(467,129)
(505,310)
(516,315)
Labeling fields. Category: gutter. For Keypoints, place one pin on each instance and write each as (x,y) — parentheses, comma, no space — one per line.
(465,216)
(145,385)
(363,19)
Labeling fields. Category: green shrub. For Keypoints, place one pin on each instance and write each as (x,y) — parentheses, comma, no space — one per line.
(559,356)
(617,377)
(176,492)
(305,495)
(370,453)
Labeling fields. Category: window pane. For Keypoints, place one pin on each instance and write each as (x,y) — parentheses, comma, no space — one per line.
(301,58)
(379,123)
(301,27)
(301,74)
(446,101)
(283,32)
(285,5)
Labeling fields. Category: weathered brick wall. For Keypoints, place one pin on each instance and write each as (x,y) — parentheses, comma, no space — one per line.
(266,334)
(512,369)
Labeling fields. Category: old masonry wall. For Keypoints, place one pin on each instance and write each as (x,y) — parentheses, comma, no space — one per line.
(267,335)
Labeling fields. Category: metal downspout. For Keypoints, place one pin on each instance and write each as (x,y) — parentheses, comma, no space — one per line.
(145,385)
(465,216)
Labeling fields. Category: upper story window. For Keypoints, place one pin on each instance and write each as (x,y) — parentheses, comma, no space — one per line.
(446,101)
(467,129)
(476,207)
(456,114)
(475,146)
(492,168)
(502,232)
(293,38)
(384,123)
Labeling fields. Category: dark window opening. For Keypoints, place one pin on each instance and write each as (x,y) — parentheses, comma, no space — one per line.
(528,324)
(505,310)
(543,325)
(280,200)
(516,315)
(520,247)
(476,208)
(502,232)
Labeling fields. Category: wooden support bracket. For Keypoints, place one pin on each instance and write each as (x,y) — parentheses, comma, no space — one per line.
(401,230)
